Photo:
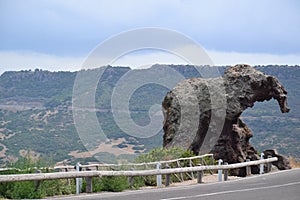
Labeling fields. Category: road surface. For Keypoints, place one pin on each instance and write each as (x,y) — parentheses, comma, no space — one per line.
(283,185)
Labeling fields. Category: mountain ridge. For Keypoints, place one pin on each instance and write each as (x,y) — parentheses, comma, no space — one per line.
(36,113)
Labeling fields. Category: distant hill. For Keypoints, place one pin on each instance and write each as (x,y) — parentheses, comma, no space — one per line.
(36,115)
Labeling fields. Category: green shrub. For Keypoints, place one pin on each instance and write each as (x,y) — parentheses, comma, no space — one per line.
(57,187)
(24,190)
(28,189)
(97,184)
(111,184)
(115,184)
(138,182)
(161,154)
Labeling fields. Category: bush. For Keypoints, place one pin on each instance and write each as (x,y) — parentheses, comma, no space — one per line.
(138,182)
(138,148)
(29,189)
(57,187)
(161,154)
(24,190)
(115,184)
(97,184)
(110,184)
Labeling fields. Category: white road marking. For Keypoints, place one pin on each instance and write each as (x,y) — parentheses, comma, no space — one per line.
(232,191)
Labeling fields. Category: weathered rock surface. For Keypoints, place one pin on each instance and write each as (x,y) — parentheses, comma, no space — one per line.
(283,163)
(203,115)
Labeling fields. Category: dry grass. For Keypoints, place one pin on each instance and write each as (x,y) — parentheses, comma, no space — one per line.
(295,162)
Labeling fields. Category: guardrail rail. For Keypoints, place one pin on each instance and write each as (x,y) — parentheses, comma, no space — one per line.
(132,173)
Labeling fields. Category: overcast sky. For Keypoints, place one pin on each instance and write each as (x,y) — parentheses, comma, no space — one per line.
(59,34)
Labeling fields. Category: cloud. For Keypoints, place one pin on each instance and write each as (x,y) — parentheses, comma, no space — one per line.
(74,27)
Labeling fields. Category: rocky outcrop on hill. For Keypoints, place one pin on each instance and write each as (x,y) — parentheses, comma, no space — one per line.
(203,115)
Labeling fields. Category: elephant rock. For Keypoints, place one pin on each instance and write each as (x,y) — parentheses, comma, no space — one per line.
(203,115)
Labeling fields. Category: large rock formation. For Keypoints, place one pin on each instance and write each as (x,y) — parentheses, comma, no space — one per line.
(203,115)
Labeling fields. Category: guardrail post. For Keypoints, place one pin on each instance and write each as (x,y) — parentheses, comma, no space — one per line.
(199,175)
(261,166)
(248,168)
(225,172)
(220,161)
(181,175)
(158,177)
(89,183)
(78,180)
(269,165)
(167,177)
(191,165)
(68,180)
(37,183)
(130,179)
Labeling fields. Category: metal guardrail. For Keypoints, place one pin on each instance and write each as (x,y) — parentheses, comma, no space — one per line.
(67,167)
(82,174)
(9,169)
(78,175)
(98,165)
(175,163)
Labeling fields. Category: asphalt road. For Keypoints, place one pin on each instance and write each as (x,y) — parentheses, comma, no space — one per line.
(283,185)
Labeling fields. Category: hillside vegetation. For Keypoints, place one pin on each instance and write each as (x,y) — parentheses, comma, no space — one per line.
(36,115)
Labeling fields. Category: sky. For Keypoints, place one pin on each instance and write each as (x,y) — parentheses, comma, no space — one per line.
(58,35)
